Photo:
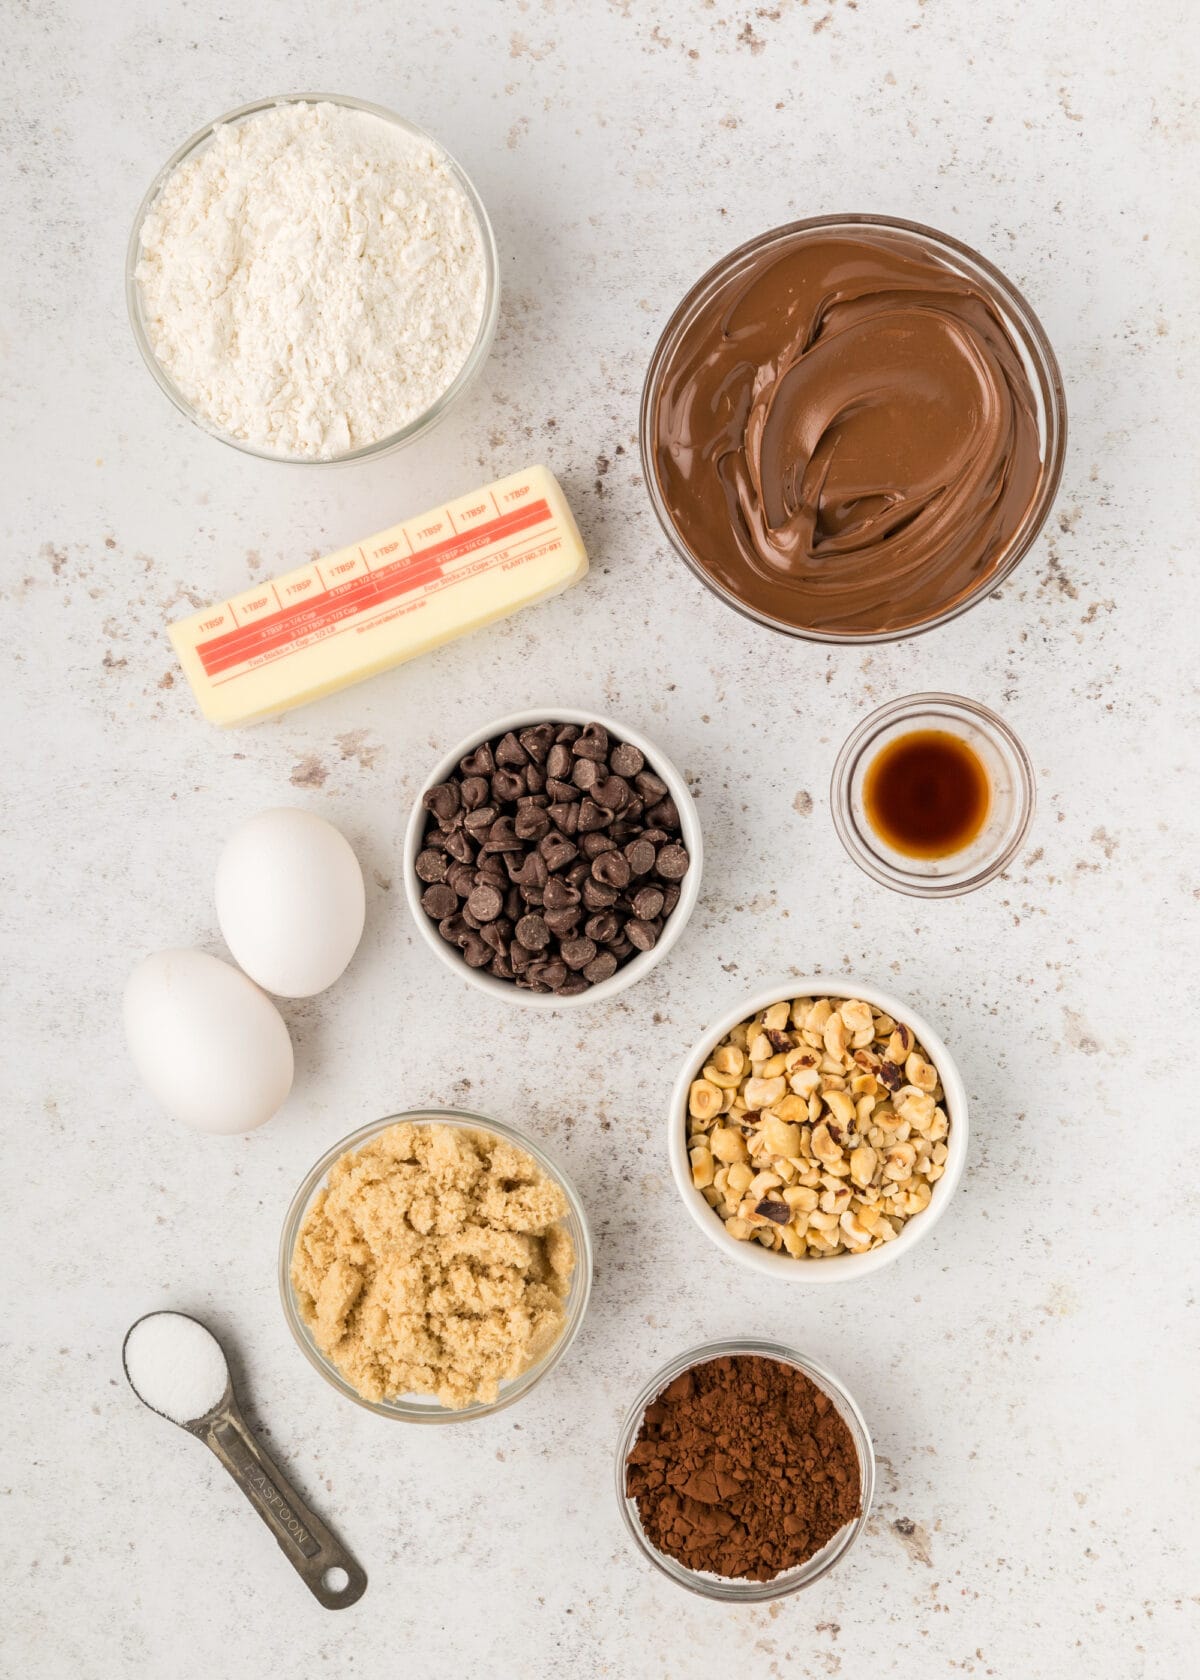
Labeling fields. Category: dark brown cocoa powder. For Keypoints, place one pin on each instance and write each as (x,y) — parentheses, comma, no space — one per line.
(743,1467)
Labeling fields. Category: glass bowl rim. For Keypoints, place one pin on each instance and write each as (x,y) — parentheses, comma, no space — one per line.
(579,1294)
(637,967)
(421,423)
(781,1586)
(859,742)
(1035,341)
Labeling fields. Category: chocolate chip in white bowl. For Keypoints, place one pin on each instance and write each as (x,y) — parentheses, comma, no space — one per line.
(509,751)
(485,903)
(592,743)
(672,863)
(443,801)
(431,866)
(626,760)
(648,903)
(602,967)
(533,933)
(440,901)
(577,953)
(480,762)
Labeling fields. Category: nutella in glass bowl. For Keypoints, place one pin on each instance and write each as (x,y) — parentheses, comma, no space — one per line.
(852,428)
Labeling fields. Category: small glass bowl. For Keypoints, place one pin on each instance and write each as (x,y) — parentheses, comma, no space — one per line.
(792,1580)
(415,428)
(411,1408)
(1010,812)
(1027,332)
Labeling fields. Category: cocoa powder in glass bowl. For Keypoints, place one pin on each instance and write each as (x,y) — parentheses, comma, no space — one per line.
(745,1471)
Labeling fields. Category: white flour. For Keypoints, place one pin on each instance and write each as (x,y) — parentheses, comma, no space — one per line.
(313,279)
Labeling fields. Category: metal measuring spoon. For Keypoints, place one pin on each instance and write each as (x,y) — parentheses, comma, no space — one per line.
(317,1555)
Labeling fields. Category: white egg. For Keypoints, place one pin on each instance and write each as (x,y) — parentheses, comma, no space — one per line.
(208,1044)
(290,901)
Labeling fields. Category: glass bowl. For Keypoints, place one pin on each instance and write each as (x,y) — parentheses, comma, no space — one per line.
(637,967)
(412,1408)
(1027,333)
(1010,811)
(415,428)
(792,1580)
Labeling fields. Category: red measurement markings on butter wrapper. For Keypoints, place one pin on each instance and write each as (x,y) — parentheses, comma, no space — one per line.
(349,592)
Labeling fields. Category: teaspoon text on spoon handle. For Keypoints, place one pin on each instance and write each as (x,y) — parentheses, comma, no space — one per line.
(311,1548)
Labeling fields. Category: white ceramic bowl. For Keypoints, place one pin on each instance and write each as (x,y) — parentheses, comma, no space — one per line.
(638,966)
(834,1268)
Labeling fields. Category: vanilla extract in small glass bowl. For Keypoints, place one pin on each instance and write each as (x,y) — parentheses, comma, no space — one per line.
(933,795)
(927,794)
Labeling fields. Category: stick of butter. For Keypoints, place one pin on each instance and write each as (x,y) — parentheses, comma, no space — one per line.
(371,606)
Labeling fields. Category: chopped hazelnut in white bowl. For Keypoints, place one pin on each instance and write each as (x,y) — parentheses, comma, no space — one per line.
(818,1130)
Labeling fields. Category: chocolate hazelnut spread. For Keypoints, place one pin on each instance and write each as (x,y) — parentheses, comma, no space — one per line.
(844,433)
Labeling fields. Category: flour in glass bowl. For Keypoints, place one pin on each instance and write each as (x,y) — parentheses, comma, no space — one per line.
(312,280)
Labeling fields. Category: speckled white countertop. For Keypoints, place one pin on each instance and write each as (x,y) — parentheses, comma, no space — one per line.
(1029,1373)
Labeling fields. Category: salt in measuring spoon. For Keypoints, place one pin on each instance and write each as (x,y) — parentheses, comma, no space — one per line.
(177,1367)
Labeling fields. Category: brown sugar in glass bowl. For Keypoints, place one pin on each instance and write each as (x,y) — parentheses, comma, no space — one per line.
(852,428)
(744,1471)
(425,1408)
